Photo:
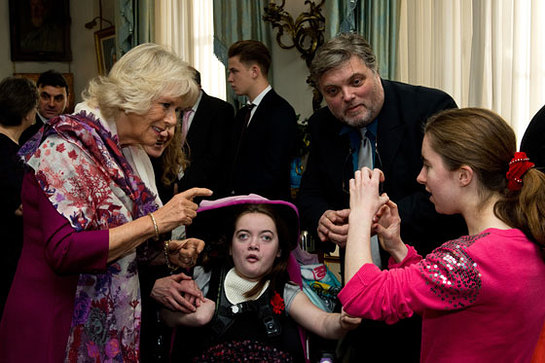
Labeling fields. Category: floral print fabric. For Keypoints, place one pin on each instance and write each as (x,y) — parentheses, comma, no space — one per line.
(82,171)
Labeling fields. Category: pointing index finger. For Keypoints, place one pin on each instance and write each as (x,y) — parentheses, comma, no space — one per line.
(196,192)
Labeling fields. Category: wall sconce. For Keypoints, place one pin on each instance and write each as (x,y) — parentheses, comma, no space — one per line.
(306,33)
(91,24)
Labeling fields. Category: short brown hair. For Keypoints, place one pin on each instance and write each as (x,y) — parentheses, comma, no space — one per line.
(251,51)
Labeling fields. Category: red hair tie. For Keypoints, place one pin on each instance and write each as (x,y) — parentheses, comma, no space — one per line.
(518,166)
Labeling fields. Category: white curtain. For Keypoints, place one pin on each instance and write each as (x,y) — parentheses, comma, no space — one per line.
(186,27)
(485,53)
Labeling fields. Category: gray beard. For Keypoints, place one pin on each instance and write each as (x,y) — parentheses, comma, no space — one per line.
(362,121)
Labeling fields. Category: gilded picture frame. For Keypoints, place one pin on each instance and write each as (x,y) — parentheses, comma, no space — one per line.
(40,30)
(105,49)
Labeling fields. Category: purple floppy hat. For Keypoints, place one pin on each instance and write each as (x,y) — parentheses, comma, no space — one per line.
(212,212)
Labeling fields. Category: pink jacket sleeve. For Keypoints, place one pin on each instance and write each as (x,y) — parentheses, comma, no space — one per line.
(66,250)
(414,286)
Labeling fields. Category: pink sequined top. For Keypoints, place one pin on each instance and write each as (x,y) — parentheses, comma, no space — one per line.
(480,297)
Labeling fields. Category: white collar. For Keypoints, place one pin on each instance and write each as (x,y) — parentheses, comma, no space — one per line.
(44,120)
(235,287)
(260,96)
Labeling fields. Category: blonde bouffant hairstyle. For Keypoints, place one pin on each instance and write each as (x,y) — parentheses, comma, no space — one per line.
(138,78)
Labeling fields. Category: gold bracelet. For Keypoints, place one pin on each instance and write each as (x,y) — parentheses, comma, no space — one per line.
(155,227)
(170,266)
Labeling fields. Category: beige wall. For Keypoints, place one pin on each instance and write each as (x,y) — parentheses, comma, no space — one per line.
(290,70)
(83,64)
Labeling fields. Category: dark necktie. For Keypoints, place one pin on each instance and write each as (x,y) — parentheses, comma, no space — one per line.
(247,115)
(249,109)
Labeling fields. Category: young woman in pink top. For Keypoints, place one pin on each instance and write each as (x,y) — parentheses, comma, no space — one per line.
(480,296)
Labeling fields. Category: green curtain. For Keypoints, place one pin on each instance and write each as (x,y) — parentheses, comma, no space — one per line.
(339,17)
(239,20)
(236,20)
(133,23)
(376,20)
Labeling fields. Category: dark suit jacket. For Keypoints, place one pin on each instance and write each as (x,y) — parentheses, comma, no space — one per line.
(533,141)
(207,146)
(324,186)
(31,130)
(266,149)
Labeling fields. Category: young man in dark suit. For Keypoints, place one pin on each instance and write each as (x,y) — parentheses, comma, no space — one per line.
(265,129)
(365,111)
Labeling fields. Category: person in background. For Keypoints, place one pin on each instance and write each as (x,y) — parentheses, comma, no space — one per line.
(204,127)
(87,197)
(480,295)
(373,122)
(533,141)
(18,100)
(53,93)
(264,136)
(251,309)
(167,158)
(533,144)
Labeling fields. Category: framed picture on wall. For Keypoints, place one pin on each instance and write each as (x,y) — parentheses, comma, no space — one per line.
(105,48)
(69,79)
(40,30)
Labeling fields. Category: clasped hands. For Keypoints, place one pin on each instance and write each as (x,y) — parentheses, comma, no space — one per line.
(365,202)
(180,292)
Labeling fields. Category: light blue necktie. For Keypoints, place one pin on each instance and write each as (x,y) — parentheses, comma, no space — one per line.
(365,158)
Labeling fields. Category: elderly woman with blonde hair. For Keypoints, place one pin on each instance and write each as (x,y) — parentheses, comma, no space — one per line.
(89,203)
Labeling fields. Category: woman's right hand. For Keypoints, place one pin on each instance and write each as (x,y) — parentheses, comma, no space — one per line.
(179,210)
(185,253)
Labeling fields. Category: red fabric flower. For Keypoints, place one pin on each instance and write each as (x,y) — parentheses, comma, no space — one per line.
(277,303)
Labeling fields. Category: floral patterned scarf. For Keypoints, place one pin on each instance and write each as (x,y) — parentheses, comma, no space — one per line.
(80,167)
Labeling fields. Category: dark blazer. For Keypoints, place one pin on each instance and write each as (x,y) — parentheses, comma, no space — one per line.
(31,130)
(533,141)
(324,186)
(266,149)
(207,146)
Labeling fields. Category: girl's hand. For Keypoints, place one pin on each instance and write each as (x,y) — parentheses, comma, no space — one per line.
(365,200)
(348,322)
(387,225)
